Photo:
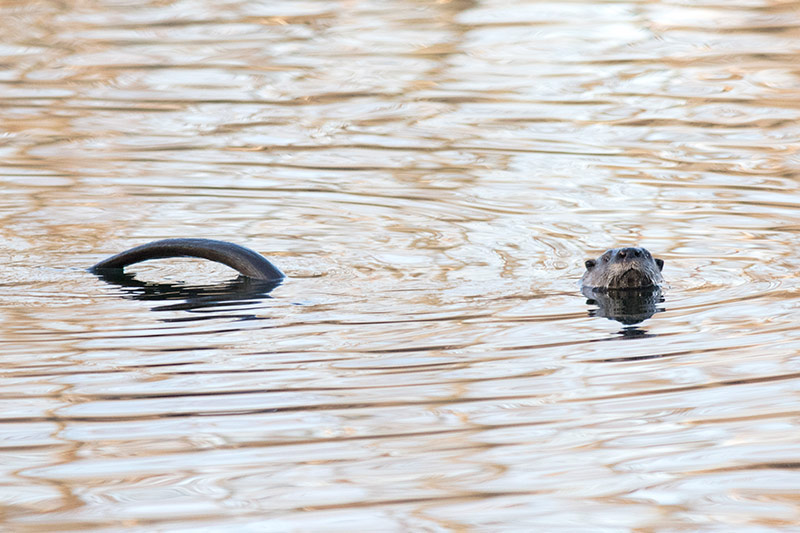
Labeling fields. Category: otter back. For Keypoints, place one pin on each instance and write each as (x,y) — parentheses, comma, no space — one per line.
(249,263)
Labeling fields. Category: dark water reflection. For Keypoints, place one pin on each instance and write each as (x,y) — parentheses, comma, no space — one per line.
(195,298)
(627,306)
(431,176)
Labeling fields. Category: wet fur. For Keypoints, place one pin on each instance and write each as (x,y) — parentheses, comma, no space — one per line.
(249,263)
(623,268)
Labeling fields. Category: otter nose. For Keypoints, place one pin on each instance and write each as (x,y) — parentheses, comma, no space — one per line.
(629,252)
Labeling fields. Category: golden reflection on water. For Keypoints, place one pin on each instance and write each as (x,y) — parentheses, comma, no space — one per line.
(431,176)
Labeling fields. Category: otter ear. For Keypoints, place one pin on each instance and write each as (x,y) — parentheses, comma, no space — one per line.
(660,263)
(590,263)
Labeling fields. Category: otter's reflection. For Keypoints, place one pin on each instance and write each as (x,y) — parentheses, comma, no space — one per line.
(205,300)
(628,306)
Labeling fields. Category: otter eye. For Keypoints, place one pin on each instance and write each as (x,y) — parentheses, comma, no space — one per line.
(589,263)
(621,253)
(660,263)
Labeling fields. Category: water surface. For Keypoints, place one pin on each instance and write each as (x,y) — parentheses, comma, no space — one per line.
(431,176)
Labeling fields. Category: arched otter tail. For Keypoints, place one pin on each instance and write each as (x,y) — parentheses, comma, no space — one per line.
(246,261)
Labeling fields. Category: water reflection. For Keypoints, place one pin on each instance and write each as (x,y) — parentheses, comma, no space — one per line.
(628,306)
(196,298)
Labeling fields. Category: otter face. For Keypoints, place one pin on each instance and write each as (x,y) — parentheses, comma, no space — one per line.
(623,268)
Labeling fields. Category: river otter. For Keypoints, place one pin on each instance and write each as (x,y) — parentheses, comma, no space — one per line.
(249,263)
(623,268)
(620,268)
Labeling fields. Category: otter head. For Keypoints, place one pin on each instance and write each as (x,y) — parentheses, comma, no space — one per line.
(623,268)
